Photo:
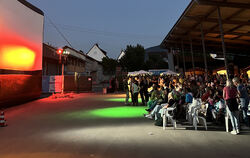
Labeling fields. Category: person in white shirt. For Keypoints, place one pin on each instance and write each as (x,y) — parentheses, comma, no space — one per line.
(135,91)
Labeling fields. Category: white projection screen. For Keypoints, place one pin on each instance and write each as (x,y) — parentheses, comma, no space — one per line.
(21,36)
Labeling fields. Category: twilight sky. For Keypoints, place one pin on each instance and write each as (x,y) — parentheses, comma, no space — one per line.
(113,24)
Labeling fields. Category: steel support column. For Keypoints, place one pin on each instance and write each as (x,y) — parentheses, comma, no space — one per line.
(223,41)
(183,55)
(204,50)
(177,56)
(192,54)
(172,63)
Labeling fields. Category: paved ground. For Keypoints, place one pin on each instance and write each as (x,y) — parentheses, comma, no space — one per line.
(73,128)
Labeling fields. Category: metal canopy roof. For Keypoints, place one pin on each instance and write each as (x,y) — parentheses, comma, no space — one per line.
(235,16)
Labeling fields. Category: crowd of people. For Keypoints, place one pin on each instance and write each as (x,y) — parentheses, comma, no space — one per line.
(217,93)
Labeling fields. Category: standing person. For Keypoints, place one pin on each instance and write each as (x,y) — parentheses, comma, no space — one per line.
(145,90)
(135,91)
(229,95)
(244,99)
(116,84)
(130,81)
(141,90)
(126,89)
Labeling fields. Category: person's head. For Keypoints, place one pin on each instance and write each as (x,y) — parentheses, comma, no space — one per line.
(229,83)
(236,81)
(140,79)
(170,96)
(198,83)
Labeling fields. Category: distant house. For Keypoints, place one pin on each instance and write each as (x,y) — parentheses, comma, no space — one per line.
(121,55)
(83,64)
(97,53)
(94,68)
(76,61)
(51,64)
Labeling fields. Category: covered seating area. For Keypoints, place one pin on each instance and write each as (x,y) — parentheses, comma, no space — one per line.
(210,36)
(207,28)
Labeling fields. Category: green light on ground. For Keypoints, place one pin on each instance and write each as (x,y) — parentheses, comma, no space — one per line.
(114,112)
(119,112)
(121,100)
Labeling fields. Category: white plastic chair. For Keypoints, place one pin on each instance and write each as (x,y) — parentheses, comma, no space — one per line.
(188,113)
(248,112)
(167,114)
(196,117)
(214,114)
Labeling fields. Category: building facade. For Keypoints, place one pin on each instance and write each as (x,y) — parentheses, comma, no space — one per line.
(51,63)
(75,61)
(97,53)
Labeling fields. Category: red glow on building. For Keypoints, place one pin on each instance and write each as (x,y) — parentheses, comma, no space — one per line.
(16,53)
(16,57)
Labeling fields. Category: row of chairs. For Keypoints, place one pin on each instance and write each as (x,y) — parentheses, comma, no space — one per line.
(191,114)
(193,109)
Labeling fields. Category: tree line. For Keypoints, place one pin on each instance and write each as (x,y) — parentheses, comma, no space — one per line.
(133,60)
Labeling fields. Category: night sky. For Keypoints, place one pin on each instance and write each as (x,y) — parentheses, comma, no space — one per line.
(112,24)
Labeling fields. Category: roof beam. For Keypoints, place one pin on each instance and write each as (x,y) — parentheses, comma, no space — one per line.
(207,15)
(209,31)
(172,43)
(228,18)
(223,4)
(243,42)
(214,20)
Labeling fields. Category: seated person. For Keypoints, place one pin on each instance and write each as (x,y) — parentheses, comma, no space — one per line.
(157,108)
(219,109)
(154,99)
(188,96)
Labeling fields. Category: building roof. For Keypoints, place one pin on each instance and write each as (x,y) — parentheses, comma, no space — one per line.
(156,49)
(204,14)
(82,53)
(50,52)
(90,58)
(103,51)
(29,5)
(121,55)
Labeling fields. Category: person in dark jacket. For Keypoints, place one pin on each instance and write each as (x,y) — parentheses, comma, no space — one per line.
(244,99)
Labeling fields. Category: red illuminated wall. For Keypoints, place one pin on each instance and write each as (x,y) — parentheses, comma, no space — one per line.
(15,89)
(16,53)
(21,38)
